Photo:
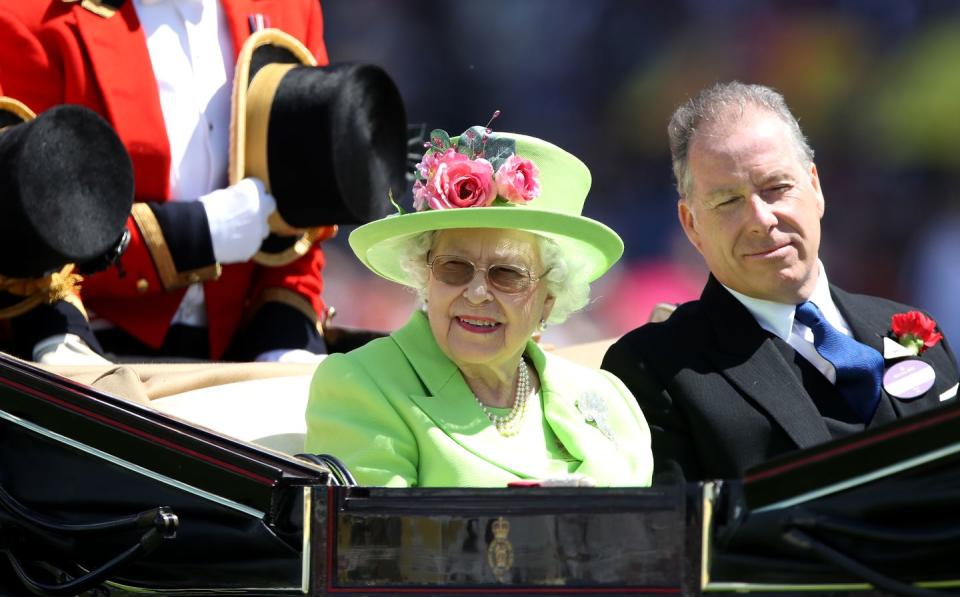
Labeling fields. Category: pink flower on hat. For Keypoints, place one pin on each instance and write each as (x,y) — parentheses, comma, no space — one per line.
(425,171)
(517,180)
(454,180)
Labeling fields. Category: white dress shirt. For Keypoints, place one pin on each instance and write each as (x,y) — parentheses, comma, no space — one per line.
(779,319)
(192,57)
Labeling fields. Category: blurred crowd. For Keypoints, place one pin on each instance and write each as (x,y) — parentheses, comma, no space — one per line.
(872,82)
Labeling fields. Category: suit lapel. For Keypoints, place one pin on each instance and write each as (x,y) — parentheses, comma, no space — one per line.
(451,405)
(749,359)
(124,74)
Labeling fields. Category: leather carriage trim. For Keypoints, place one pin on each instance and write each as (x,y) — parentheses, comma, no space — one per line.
(291,299)
(927,456)
(170,278)
(129,465)
(139,433)
(881,437)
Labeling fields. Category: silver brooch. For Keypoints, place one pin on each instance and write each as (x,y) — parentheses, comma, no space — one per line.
(594,410)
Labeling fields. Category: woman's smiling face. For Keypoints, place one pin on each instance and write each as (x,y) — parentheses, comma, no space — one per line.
(477,324)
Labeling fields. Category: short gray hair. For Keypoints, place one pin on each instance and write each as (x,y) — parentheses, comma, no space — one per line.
(723,103)
(566,277)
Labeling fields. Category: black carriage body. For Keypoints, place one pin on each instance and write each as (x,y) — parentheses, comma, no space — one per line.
(73,455)
(546,541)
(256,522)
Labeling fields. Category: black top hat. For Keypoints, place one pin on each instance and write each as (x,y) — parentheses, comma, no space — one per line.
(66,188)
(328,142)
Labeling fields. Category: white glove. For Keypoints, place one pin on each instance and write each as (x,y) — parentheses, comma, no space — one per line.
(238,219)
(66,349)
(290,355)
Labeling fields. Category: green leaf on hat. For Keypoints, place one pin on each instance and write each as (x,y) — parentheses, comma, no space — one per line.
(470,142)
(439,140)
(498,149)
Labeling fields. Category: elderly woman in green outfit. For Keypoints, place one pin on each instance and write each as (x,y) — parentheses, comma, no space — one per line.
(461,396)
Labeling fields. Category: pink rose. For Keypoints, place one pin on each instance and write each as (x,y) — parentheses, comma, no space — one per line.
(456,181)
(517,180)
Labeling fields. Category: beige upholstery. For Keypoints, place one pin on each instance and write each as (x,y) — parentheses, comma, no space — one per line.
(263,403)
(149,381)
(590,354)
(661,311)
(268,411)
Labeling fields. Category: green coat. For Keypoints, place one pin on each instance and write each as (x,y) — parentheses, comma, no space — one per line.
(398,412)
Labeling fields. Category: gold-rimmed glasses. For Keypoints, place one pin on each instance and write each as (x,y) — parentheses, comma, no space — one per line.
(505,277)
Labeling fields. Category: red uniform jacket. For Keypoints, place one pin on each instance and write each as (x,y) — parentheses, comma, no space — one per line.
(103,63)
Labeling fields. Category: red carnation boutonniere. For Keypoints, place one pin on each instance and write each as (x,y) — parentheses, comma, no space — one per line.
(915,331)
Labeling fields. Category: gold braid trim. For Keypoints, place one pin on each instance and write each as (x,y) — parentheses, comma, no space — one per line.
(152,233)
(58,286)
(298,249)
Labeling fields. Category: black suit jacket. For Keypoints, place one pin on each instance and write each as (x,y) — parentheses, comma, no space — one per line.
(720,396)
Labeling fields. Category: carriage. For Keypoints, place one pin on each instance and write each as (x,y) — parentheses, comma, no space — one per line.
(104,495)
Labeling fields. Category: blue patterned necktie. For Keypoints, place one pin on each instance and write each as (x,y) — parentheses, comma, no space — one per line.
(858,366)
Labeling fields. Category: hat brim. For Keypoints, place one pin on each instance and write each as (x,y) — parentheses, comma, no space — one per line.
(376,243)
(293,52)
(266,49)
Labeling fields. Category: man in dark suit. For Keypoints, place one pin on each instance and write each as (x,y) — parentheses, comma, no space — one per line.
(772,357)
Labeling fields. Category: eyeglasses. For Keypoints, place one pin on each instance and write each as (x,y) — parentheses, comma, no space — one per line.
(458,271)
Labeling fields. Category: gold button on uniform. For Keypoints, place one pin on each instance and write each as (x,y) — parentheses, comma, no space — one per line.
(142,285)
(194,278)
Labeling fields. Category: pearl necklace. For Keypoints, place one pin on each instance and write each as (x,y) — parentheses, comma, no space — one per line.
(509,424)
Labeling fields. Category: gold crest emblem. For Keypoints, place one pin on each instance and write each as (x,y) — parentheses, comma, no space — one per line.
(500,551)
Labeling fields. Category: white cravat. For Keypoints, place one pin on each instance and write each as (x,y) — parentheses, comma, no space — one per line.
(192,57)
(779,319)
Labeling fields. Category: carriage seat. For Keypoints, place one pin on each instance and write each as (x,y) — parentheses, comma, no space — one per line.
(261,403)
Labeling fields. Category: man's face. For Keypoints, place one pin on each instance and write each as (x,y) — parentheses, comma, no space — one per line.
(753,209)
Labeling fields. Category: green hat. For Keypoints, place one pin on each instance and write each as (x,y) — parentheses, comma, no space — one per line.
(554,211)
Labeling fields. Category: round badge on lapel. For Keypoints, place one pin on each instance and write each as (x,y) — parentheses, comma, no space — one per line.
(908,379)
